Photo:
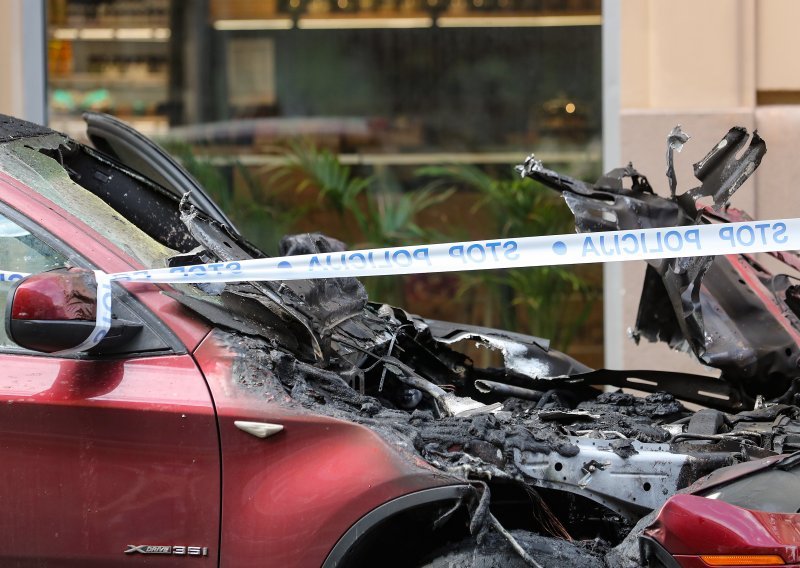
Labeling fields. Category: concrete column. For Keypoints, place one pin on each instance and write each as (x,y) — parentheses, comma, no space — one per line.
(708,66)
(613,299)
(689,63)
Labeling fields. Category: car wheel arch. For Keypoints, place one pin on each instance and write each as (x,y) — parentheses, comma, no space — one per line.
(379,520)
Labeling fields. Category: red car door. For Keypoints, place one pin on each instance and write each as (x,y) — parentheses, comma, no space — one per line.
(104,461)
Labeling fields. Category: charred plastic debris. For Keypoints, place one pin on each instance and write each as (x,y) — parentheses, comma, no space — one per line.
(586,464)
(562,469)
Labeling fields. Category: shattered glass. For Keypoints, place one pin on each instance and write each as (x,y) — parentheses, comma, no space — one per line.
(25,161)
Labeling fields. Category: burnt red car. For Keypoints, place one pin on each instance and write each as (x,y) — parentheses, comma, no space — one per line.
(152,450)
(300,424)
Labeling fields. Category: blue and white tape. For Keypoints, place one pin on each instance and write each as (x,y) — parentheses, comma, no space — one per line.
(6,276)
(609,246)
(103,314)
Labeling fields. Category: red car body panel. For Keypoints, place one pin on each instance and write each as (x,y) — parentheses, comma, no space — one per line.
(99,455)
(104,454)
(767,297)
(288,498)
(689,526)
(697,562)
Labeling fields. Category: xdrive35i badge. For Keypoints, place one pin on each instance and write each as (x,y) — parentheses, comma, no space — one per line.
(171,550)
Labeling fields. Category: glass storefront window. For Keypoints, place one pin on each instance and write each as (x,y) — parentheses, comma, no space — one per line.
(387,91)
(108,57)
(362,77)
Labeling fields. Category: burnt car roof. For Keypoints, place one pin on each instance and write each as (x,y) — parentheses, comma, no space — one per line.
(12,128)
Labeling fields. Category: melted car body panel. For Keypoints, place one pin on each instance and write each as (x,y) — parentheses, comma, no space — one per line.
(288,498)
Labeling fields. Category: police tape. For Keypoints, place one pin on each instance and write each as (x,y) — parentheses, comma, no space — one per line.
(552,250)
(6,276)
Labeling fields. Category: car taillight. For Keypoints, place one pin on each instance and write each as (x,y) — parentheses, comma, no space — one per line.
(742,559)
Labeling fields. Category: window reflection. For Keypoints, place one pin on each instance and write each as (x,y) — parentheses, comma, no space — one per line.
(383,90)
(357,76)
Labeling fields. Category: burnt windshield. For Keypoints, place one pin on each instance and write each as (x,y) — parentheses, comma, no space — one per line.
(39,163)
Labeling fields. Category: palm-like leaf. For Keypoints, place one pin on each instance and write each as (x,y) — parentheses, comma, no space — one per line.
(521,208)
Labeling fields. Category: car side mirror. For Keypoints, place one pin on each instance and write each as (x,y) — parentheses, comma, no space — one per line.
(55,310)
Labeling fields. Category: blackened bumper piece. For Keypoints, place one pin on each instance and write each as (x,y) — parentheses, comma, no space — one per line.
(729,310)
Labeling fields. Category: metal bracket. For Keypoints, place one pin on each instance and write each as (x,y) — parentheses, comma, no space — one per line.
(629,486)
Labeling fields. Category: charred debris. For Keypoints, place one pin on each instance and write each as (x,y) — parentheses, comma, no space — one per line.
(587,463)
(553,453)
